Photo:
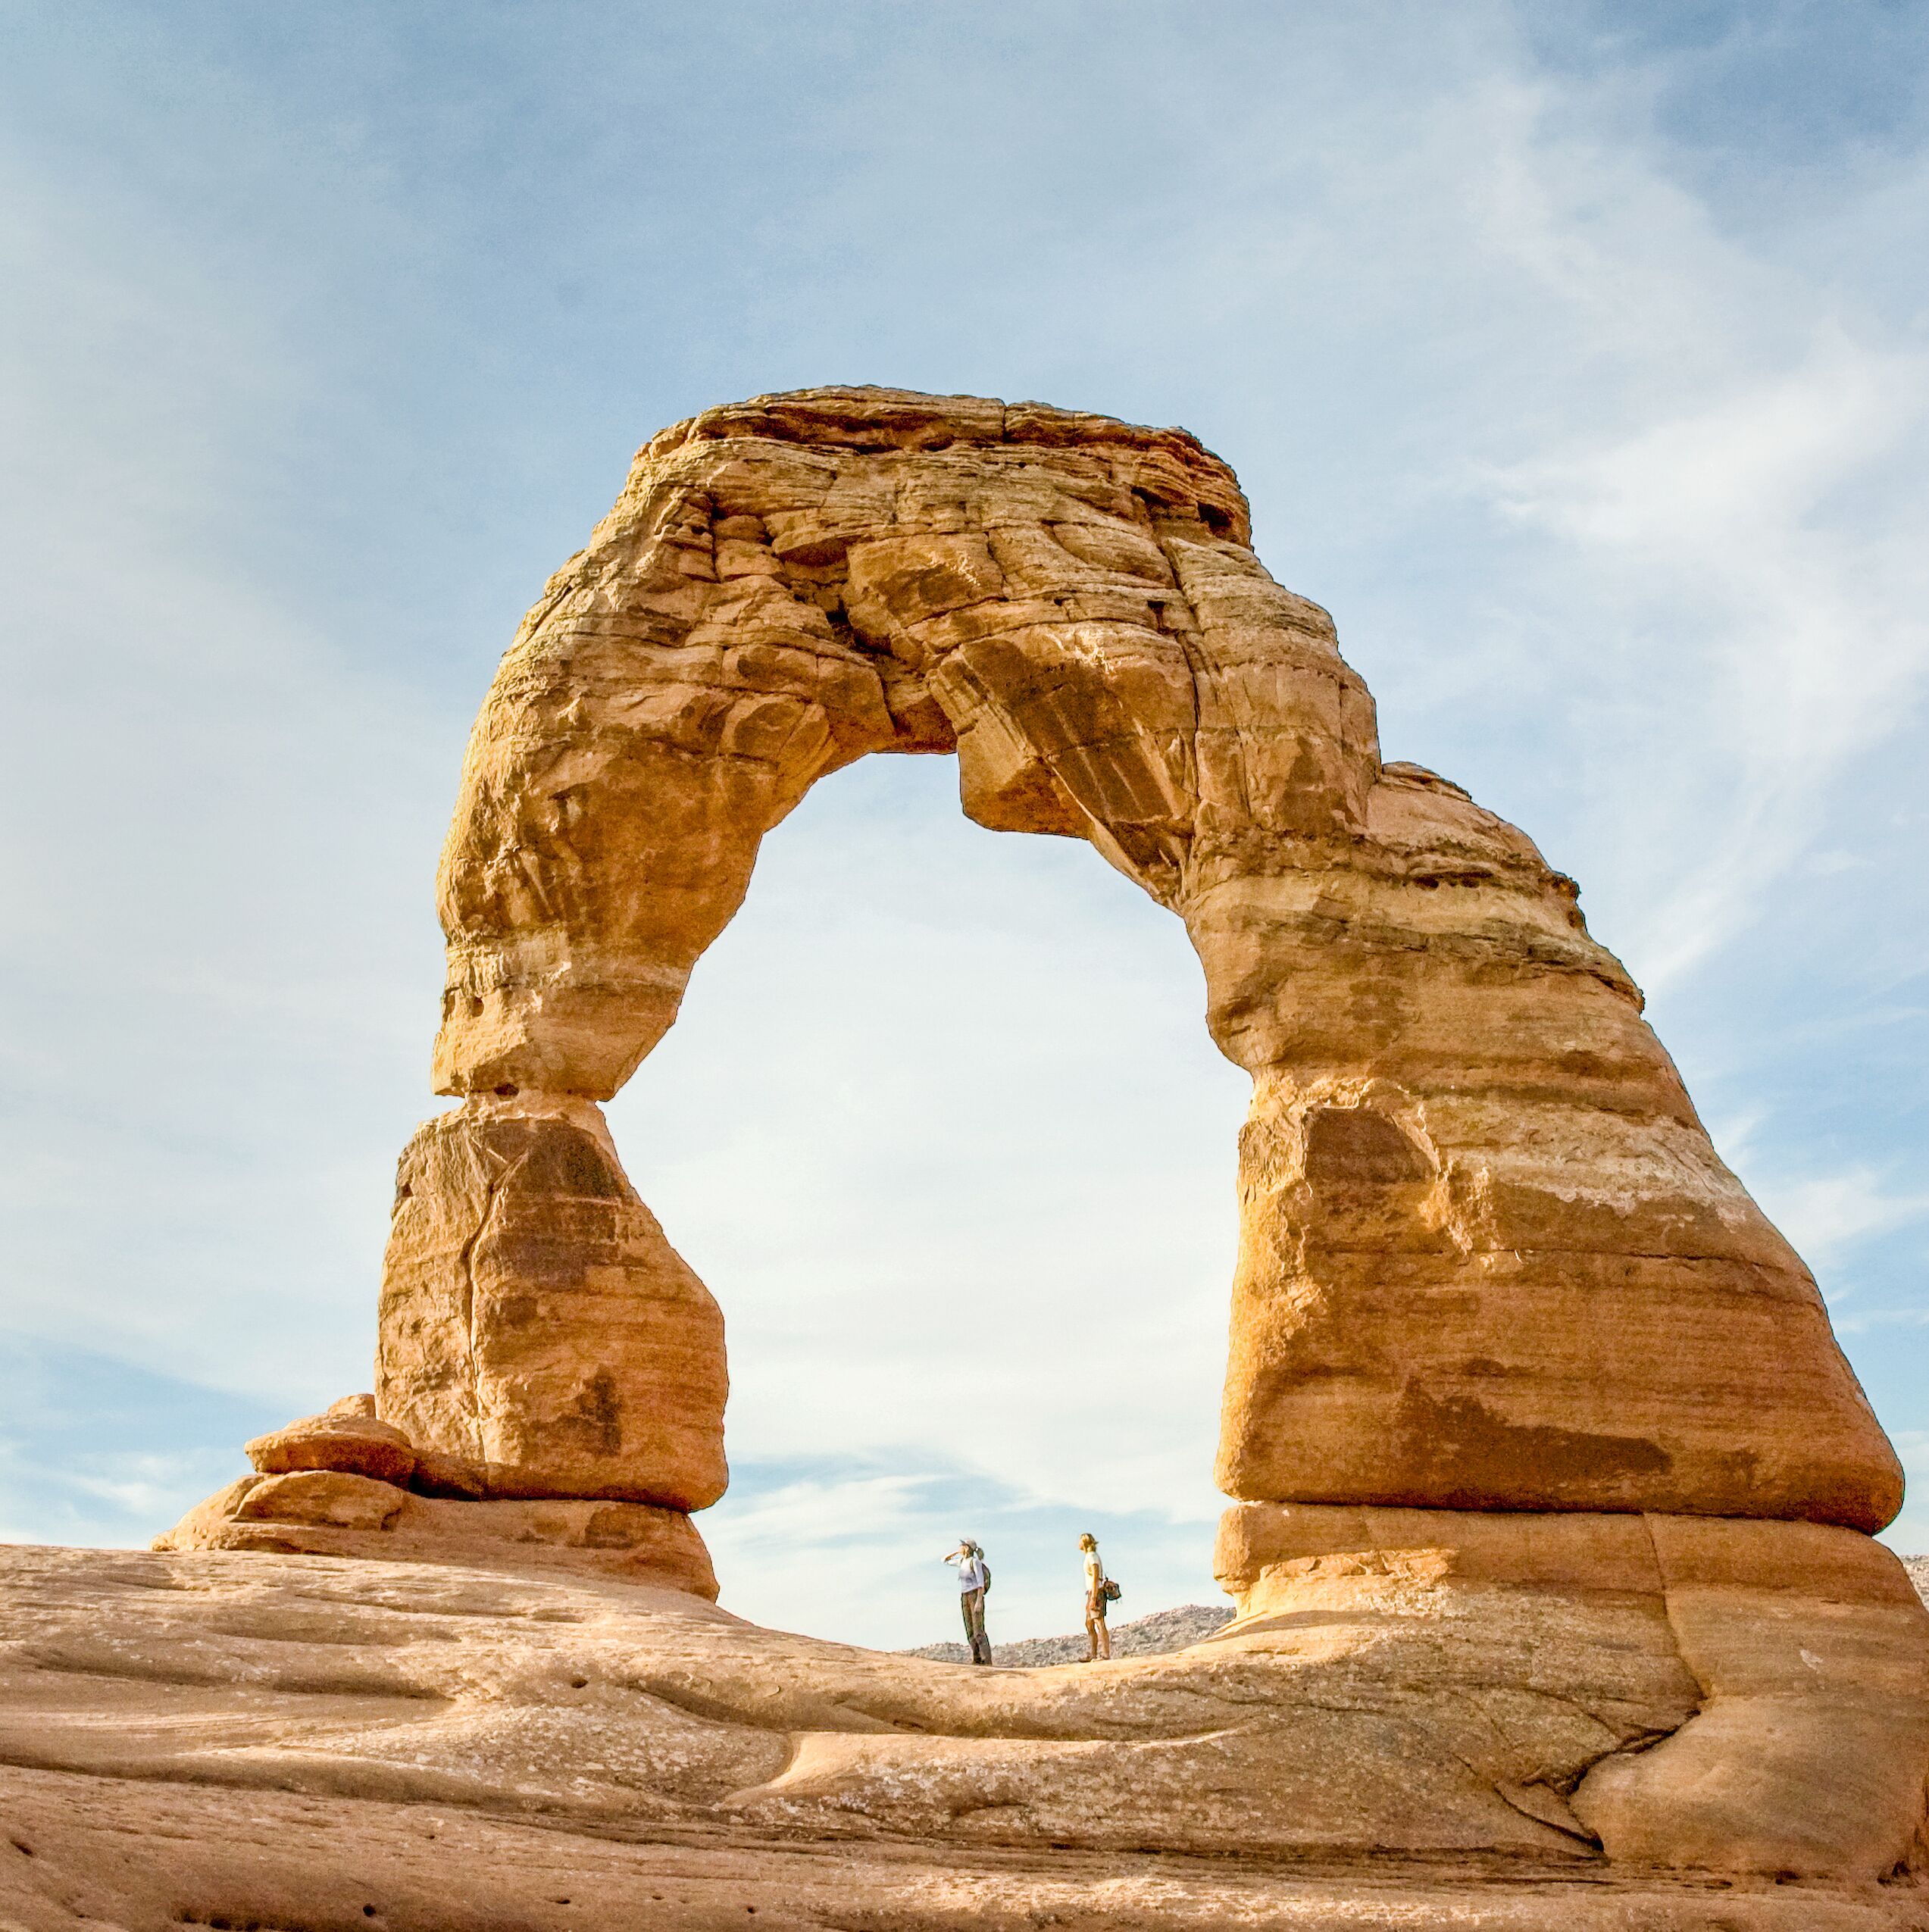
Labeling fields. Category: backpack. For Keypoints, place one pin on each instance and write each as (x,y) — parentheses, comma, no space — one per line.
(1110,1591)
(984,1569)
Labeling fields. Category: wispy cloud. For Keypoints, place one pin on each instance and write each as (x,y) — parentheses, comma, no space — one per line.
(1811,651)
(1826,1215)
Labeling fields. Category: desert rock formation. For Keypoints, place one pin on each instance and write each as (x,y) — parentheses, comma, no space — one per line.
(1553,1494)
(1457,1105)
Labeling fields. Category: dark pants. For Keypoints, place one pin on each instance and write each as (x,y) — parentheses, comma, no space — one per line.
(972,1602)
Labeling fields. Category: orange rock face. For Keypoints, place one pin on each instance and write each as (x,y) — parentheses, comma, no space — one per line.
(325,1514)
(535,1323)
(346,1437)
(1490,1259)
(1802,1649)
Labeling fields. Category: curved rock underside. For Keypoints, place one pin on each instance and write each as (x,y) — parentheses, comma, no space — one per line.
(1553,1492)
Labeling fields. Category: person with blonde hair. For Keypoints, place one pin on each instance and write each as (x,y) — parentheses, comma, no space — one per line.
(1099,1590)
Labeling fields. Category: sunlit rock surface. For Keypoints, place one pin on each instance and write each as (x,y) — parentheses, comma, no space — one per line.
(1489,1258)
(287,1741)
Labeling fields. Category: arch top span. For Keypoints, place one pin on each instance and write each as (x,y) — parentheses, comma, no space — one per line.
(1489,1257)
(1067,601)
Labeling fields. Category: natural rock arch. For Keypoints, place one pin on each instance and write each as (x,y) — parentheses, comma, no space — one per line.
(1550,1480)
(1489,1260)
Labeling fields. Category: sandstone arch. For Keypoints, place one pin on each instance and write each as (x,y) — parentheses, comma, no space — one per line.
(1550,1484)
(1489,1260)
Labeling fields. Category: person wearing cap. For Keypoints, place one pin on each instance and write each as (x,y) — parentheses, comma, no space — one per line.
(974,1579)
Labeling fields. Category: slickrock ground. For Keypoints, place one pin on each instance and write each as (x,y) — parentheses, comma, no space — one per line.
(291,1744)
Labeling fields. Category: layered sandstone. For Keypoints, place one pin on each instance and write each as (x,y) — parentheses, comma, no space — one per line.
(319,1513)
(535,1322)
(346,1437)
(343,1483)
(1489,1257)
(1805,1743)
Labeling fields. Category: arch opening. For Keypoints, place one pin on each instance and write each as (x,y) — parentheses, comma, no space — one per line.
(938,1127)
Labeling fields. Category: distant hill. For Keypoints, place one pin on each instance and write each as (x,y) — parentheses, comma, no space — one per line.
(1144,1636)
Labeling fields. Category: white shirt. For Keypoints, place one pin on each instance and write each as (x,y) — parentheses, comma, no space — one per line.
(970,1575)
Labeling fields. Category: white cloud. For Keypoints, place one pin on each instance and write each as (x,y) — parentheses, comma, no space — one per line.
(1826,1216)
(1700,531)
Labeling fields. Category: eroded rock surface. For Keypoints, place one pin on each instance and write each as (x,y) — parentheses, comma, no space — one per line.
(346,1436)
(1805,1744)
(292,1740)
(536,1323)
(1458,1108)
(326,1513)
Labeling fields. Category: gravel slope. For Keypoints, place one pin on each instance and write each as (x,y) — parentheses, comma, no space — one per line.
(1144,1636)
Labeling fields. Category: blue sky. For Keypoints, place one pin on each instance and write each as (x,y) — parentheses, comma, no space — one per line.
(1574,356)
